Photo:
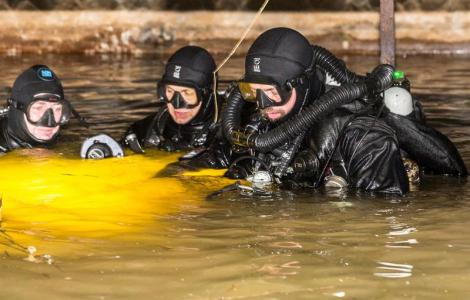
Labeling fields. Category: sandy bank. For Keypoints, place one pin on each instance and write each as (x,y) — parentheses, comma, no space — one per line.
(146,32)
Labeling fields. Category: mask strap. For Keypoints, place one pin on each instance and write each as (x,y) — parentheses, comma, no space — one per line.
(242,38)
(81,120)
(13,103)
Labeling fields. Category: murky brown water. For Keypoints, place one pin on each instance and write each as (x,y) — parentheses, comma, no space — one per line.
(311,245)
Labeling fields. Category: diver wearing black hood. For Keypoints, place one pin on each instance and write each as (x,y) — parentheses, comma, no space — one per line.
(36,110)
(188,118)
(301,135)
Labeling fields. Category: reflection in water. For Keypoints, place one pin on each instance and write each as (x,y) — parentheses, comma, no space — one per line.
(396,270)
(286,269)
(124,232)
(399,231)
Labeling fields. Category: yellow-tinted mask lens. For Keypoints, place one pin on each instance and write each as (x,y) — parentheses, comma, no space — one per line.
(247,93)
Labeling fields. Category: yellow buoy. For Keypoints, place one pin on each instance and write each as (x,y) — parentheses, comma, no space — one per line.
(49,198)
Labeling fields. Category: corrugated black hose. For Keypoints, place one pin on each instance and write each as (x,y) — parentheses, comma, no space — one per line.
(376,82)
(334,66)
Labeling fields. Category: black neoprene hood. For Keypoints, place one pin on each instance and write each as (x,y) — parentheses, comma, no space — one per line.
(190,66)
(278,55)
(35,80)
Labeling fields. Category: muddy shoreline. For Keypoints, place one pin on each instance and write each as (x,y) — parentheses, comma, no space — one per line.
(143,32)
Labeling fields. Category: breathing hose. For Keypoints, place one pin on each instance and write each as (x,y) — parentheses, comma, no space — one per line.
(334,66)
(355,87)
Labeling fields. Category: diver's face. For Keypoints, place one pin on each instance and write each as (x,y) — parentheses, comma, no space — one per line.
(275,113)
(40,132)
(182,116)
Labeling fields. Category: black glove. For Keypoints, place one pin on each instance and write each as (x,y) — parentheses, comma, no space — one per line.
(132,142)
(168,145)
(237,172)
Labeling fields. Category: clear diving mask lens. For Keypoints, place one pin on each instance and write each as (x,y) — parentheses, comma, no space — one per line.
(48,110)
(184,98)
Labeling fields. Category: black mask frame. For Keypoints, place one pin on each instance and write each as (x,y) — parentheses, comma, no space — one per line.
(261,98)
(177,100)
(47,119)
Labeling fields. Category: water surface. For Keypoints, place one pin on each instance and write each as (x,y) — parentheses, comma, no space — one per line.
(116,232)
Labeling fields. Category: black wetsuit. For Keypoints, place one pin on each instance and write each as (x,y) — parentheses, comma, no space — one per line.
(8,141)
(160,131)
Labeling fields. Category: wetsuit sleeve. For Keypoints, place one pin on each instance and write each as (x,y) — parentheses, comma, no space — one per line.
(216,156)
(371,155)
(220,153)
(4,140)
(432,150)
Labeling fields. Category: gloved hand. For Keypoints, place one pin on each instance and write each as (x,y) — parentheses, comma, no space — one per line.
(168,146)
(289,185)
(133,143)
(237,172)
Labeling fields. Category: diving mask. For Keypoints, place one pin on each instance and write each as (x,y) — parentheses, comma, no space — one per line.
(188,98)
(47,110)
(265,95)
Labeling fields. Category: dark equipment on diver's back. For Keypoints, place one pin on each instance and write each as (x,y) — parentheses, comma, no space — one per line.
(101,146)
(377,81)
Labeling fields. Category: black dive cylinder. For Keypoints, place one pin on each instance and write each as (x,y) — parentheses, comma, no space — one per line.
(379,80)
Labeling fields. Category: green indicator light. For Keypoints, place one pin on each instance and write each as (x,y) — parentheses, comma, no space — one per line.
(397,75)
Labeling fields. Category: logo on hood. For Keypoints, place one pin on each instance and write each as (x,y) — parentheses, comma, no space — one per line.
(256,64)
(176,73)
(45,74)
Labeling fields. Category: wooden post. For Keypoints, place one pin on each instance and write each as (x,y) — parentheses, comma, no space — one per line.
(387,32)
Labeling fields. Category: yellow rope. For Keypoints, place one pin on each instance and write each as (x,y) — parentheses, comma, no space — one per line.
(242,38)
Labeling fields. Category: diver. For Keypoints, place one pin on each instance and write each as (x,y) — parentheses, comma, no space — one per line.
(187,120)
(316,122)
(36,110)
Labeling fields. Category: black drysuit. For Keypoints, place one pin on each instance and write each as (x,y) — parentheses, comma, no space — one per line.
(430,149)
(352,143)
